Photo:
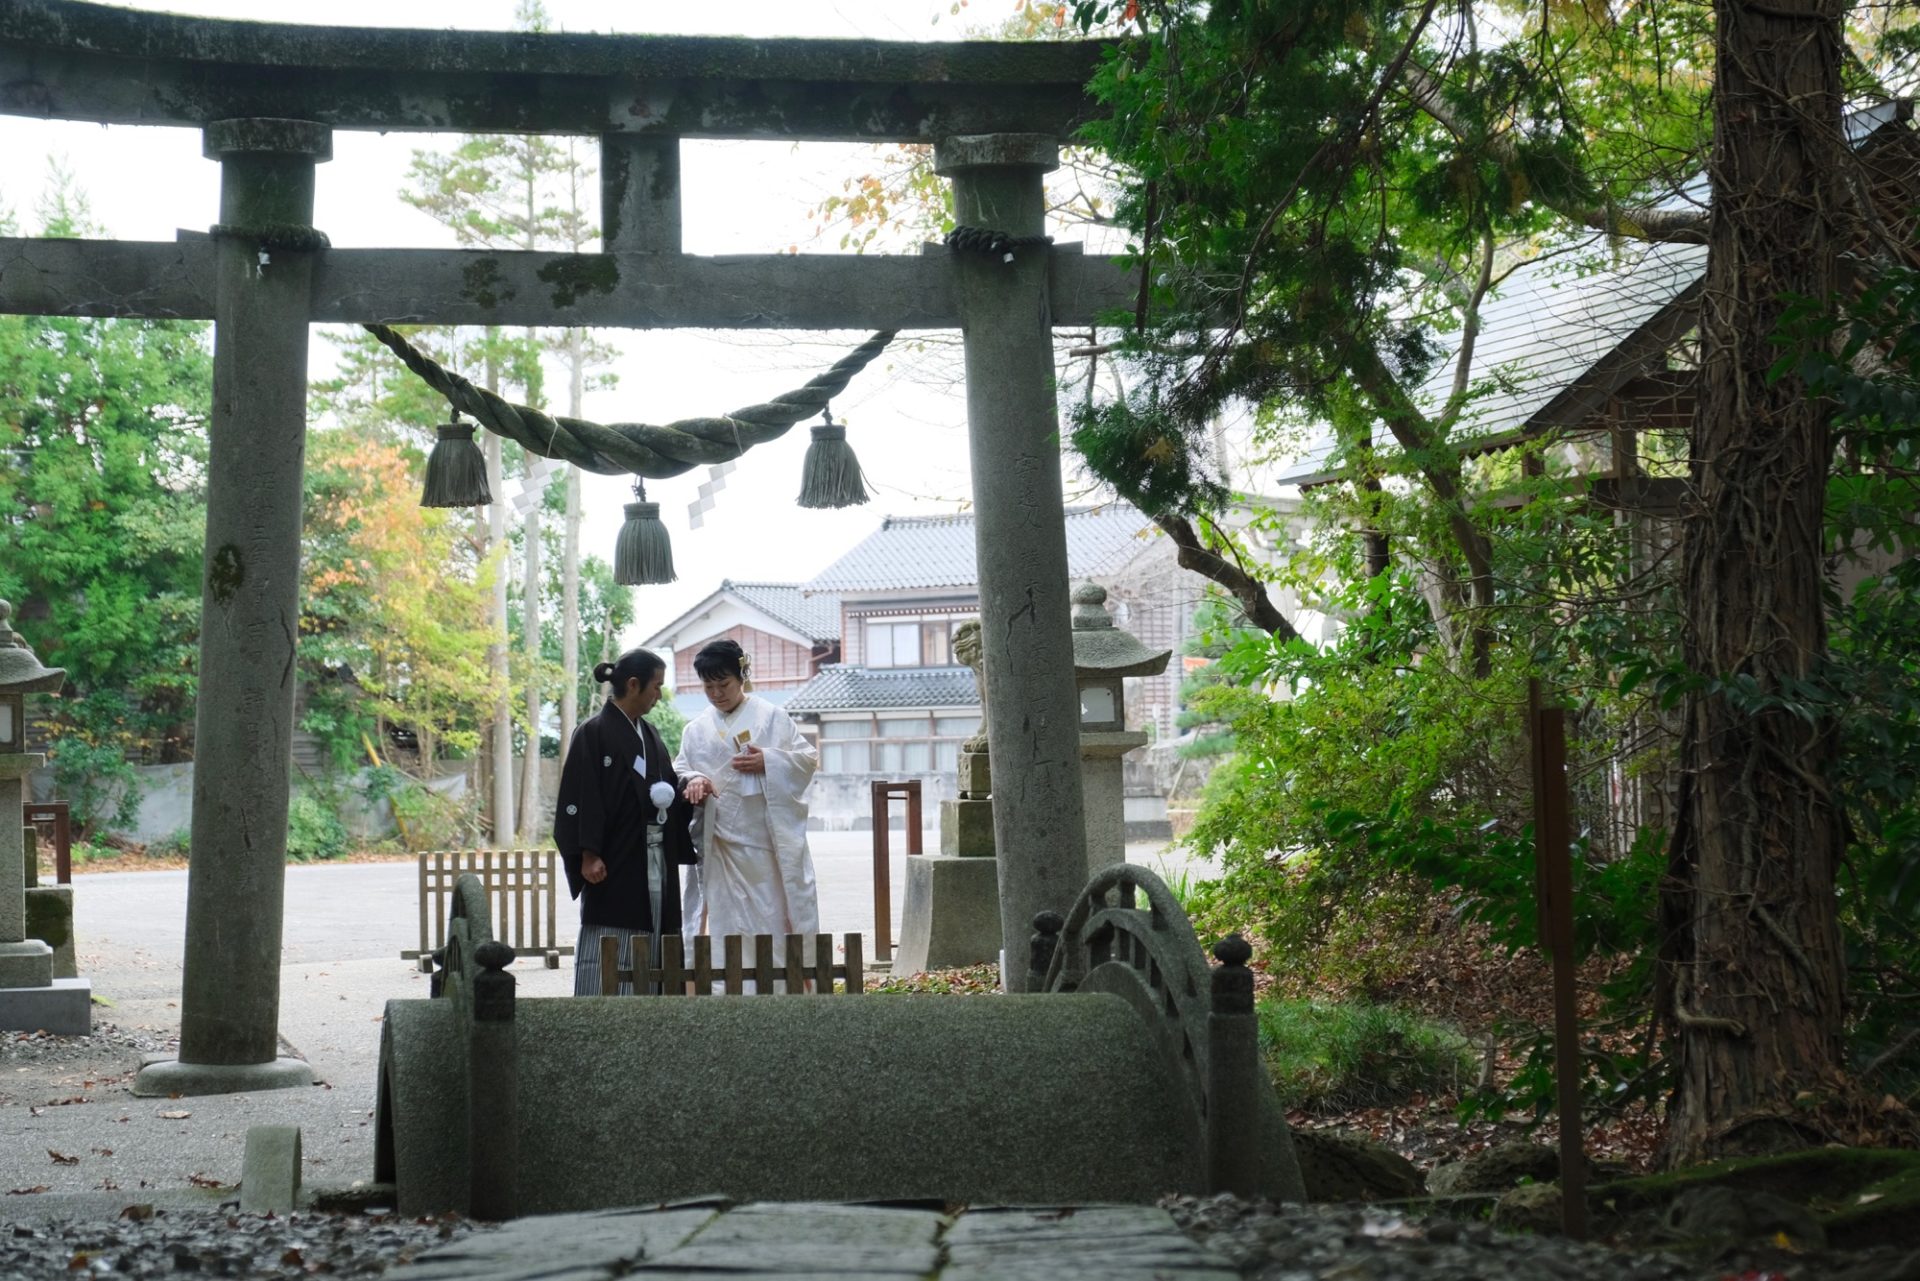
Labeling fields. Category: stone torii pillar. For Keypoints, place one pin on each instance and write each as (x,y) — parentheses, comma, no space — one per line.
(250,613)
(1013,429)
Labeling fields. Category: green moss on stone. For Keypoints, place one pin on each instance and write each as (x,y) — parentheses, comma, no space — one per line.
(50,917)
(577,274)
(1861,1196)
(480,280)
(225,572)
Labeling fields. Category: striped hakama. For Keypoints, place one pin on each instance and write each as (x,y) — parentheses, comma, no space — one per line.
(586,956)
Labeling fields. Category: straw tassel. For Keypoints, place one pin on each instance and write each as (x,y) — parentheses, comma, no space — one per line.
(456,469)
(642,554)
(831,476)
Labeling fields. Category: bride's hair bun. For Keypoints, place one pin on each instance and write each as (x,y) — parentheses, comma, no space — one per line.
(603,672)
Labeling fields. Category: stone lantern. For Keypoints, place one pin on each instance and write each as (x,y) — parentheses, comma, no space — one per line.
(1103,656)
(30,997)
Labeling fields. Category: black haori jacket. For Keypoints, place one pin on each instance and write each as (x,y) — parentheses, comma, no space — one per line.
(603,807)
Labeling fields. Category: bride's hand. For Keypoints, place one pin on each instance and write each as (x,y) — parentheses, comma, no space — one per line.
(750,761)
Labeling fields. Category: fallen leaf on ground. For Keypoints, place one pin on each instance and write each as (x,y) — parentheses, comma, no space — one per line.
(38,1187)
(175,1116)
(61,1158)
(204,1181)
(138,1213)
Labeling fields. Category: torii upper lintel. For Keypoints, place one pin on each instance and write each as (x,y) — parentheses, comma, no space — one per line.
(67,60)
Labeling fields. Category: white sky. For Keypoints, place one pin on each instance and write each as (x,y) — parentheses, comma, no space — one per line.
(906,413)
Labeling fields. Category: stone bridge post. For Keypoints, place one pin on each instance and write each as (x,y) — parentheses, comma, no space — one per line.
(250,612)
(1014,433)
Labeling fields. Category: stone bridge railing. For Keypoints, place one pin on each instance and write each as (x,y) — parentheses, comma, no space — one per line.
(497,1107)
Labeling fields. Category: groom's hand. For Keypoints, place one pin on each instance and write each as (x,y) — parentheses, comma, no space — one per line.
(592,868)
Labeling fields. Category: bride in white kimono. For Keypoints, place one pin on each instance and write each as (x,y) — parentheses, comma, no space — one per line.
(747,766)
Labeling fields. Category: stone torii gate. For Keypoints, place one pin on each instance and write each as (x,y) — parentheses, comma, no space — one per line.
(267,98)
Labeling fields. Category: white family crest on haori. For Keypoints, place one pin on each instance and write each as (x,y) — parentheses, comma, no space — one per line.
(756,871)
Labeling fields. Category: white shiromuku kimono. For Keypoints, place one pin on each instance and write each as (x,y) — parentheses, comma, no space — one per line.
(756,873)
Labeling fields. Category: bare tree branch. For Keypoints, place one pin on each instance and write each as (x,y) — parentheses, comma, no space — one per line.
(1194,555)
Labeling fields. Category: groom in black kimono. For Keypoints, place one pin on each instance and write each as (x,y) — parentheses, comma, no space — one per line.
(620,847)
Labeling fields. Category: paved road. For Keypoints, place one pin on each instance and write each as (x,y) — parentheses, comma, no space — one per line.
(134,921)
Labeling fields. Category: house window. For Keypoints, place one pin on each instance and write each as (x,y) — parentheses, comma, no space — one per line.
(935,651)
(891,643)
(844,748)
(900,746)
(910,642)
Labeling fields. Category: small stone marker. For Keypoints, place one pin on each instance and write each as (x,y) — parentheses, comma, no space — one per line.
(270,1173)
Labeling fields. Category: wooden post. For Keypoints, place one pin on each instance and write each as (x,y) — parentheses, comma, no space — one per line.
(913,817)
(763,964)
(1553,882)
(796,965)
(823,965)
(856,967)
(609,965)
(882,875)
(55,812)
(702,965)
(736,972)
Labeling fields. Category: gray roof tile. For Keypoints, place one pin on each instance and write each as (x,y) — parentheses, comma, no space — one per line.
(1544,328)
(841,687)
(815,616)
(909,552)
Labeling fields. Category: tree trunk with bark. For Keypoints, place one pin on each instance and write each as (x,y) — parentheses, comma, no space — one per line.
(1753,966)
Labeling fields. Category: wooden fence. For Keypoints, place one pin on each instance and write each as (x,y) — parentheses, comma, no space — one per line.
(522,897)
(676,978)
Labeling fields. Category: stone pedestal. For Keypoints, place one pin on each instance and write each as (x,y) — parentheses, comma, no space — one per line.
(31,998)
(1104,786)
(50,919)
(951,916)
(966,827)
(952,913)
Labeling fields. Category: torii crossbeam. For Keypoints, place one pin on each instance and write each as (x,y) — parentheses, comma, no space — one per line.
(268,98)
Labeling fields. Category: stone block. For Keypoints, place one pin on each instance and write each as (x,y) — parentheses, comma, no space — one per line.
(951,915)
(270,1171)
(840,1099)
(50,920)
(25,964)
(63,1007)
(966,828)
(976,775)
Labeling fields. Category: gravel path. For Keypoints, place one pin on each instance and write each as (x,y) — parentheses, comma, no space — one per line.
(174,1243)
